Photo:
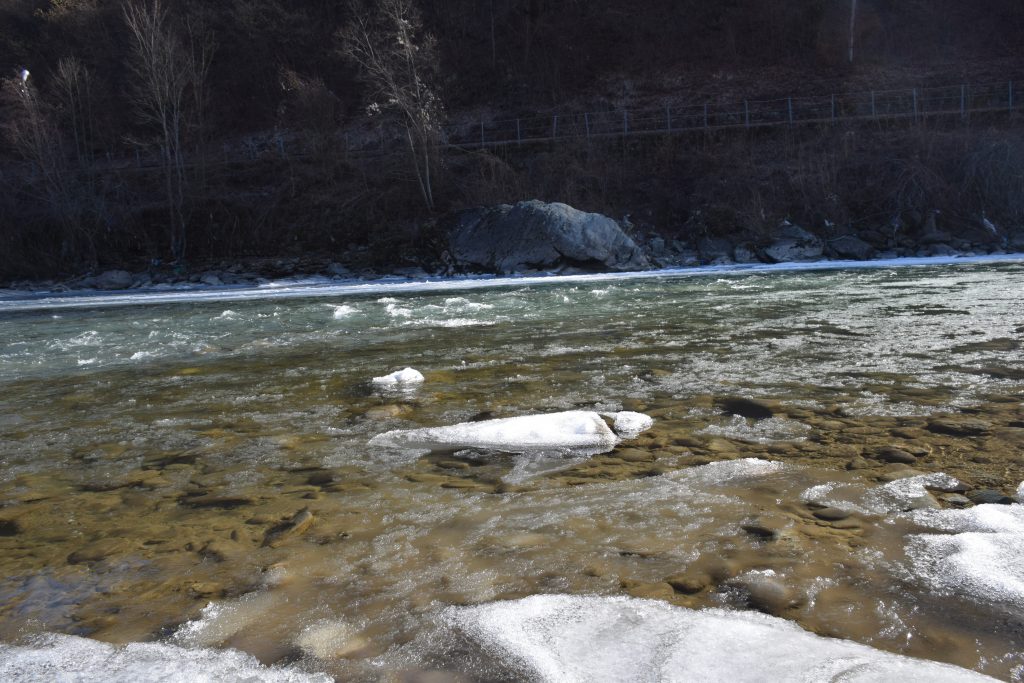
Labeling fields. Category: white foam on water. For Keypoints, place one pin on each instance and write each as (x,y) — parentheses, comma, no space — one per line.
(343,311)
(979,553)
(569,431)
(70,659)
(227,315)
(1020,493)
(770,430)
(21,301)
(594,639)
(406,376)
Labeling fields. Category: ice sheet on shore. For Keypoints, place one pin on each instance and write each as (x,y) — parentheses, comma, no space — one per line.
(70,658)
(406,376)
(591,639)
(571,431)
(979,553)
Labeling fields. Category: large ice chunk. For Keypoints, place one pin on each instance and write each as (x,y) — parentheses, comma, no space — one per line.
(570,431)
(70,658)
(406,376)
(980,553)
(593,639)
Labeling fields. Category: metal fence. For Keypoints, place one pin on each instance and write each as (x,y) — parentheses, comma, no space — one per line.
(913,103)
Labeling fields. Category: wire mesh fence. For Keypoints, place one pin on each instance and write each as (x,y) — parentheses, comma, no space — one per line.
(962,100)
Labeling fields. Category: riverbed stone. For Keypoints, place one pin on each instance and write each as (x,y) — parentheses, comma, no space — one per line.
(768,594)
(295,526)
(989,497)
(894,455)
(753,408)
(98,550)
(689,583)
(959,426)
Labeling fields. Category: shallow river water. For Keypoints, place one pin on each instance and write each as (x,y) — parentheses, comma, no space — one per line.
(834,448)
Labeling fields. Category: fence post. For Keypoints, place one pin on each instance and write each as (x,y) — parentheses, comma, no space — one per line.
(481,132)
(963,101)
(746,113)
(554,127)
(625,122)
(519,135)
(705,115)
(789,102)
(586,123)
(668,118)
(833,108)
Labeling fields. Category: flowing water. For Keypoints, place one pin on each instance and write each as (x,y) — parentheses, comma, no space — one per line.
(195,470)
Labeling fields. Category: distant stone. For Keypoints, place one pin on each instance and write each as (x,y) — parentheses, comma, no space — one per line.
(852,247)
(793,243)
(532,234)
(715,249)
(769,595)
(211,279)
(745,253)
(113,279)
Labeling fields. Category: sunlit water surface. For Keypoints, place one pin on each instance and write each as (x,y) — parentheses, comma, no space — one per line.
(161,442)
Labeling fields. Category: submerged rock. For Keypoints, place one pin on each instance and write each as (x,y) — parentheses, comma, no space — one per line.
(509,239)
(296,526)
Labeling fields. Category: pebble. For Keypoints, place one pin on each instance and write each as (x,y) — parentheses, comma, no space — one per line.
(829,514)
(98,550)
(770,595)
(895,455)
(989,497)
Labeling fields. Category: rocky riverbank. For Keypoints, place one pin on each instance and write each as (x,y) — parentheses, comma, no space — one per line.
(537,238)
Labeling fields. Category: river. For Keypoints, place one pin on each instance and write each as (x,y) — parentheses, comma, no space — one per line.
(830,447)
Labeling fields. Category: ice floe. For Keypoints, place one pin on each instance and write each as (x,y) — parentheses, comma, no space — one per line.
(896,496)
(406,376)
(572,431)
(70,658)
(592,639)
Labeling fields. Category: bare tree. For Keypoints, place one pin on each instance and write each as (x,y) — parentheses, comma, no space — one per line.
(74,88)
(853,25)
(168,93)
(30,126)
(398,61)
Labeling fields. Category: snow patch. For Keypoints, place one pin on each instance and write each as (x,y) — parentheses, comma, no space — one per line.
(70,658)
(593,639)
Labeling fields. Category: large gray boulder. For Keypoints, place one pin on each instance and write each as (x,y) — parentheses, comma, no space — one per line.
(793,243)
(534,235)
(852,247)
